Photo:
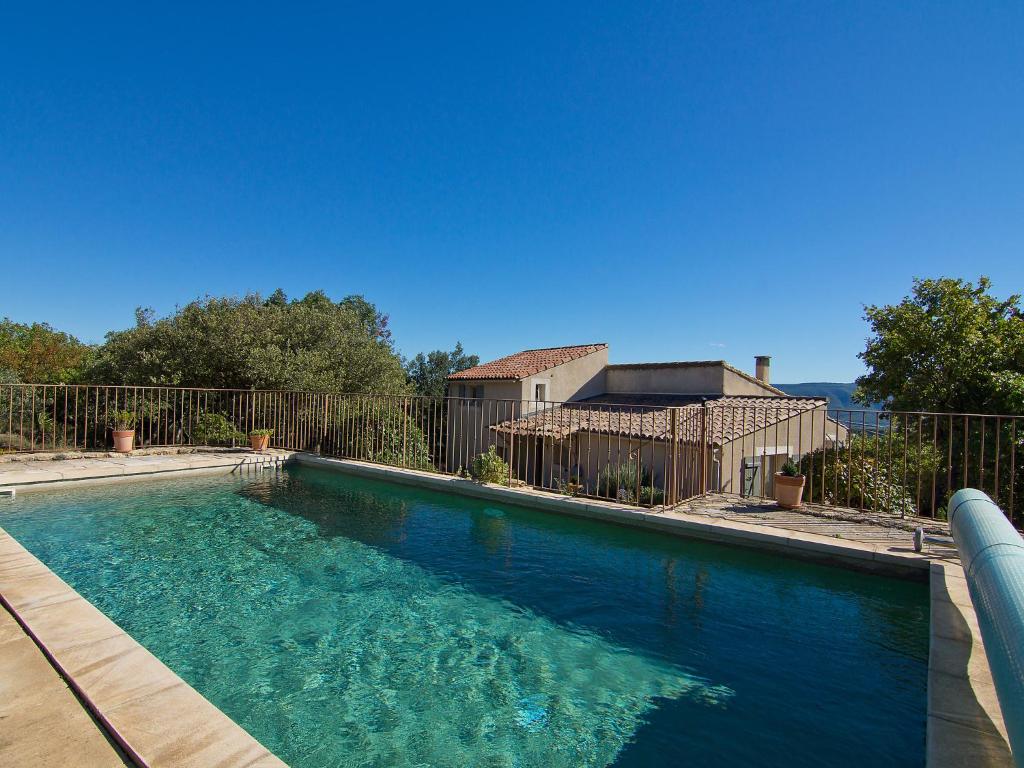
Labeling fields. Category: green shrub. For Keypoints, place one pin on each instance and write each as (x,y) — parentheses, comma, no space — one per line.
(869,472)
(490,468)
(619,481)
(384,433)
(215,429)
(651,497)
(262,432)
(570,487)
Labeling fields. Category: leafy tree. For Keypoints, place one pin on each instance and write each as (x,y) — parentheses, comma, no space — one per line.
(312,343)
(38,354)
(427,373)
(949,346)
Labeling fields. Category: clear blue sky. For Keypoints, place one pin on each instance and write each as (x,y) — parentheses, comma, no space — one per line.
(682,180)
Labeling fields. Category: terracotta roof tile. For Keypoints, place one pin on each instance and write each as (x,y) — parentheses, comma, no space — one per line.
(730,418)
(527,363)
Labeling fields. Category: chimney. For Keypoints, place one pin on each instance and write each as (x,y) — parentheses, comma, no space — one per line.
(762,368)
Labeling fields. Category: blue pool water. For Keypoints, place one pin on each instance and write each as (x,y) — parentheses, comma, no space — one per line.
(349,622)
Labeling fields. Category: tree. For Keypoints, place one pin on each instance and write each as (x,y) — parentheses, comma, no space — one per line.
(427,373)
(949,346)
(312,343)
(38,354)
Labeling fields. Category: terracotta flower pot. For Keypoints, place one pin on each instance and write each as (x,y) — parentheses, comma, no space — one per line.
(124,440)
(259,443)
(789,491)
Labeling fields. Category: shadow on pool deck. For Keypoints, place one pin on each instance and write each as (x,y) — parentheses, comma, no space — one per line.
(43,721)
(965,724)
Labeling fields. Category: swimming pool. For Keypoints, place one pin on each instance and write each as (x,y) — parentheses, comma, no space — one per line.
(345,621)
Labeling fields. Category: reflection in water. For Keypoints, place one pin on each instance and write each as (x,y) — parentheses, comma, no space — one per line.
(490,530)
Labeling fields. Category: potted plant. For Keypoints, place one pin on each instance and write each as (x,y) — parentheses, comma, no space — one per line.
(259,439)
(122,424)
(789,485)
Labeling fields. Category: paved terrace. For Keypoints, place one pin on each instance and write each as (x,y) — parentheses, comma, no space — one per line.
(890,531)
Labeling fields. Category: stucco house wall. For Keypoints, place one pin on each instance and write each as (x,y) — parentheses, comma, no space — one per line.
(575,380)
(736,383)
(793,437)
(665,378)
(504,399)
(549,463)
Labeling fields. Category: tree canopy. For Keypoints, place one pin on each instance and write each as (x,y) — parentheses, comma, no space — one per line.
(37,353)
(312,343)
(949,346)
(427,373)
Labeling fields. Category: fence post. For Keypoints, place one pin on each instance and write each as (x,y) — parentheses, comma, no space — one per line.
(511,441)
(674,464)
(702,483)
(323,428)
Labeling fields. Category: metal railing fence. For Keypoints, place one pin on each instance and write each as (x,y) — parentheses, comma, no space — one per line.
(897,463)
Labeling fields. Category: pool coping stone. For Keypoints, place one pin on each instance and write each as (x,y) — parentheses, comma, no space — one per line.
(46,475)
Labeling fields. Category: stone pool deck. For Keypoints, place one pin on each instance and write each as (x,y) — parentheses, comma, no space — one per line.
(24,472)
(833,522)
(43,722)
(104,688)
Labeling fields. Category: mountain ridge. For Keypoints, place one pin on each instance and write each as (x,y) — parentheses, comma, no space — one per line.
(839,394)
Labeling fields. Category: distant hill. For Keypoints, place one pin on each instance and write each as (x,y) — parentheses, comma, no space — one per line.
(839,395)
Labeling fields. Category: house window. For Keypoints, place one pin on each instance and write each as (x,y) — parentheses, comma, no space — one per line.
(540,391)
(478,392)
(462,390)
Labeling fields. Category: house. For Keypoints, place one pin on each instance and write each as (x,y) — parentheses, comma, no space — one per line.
(565,415)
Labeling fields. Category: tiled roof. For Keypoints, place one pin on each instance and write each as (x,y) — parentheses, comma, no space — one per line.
(527,363)
(730,418)
(655,399)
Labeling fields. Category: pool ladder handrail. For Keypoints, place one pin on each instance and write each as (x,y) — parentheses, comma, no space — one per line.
(259,462)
